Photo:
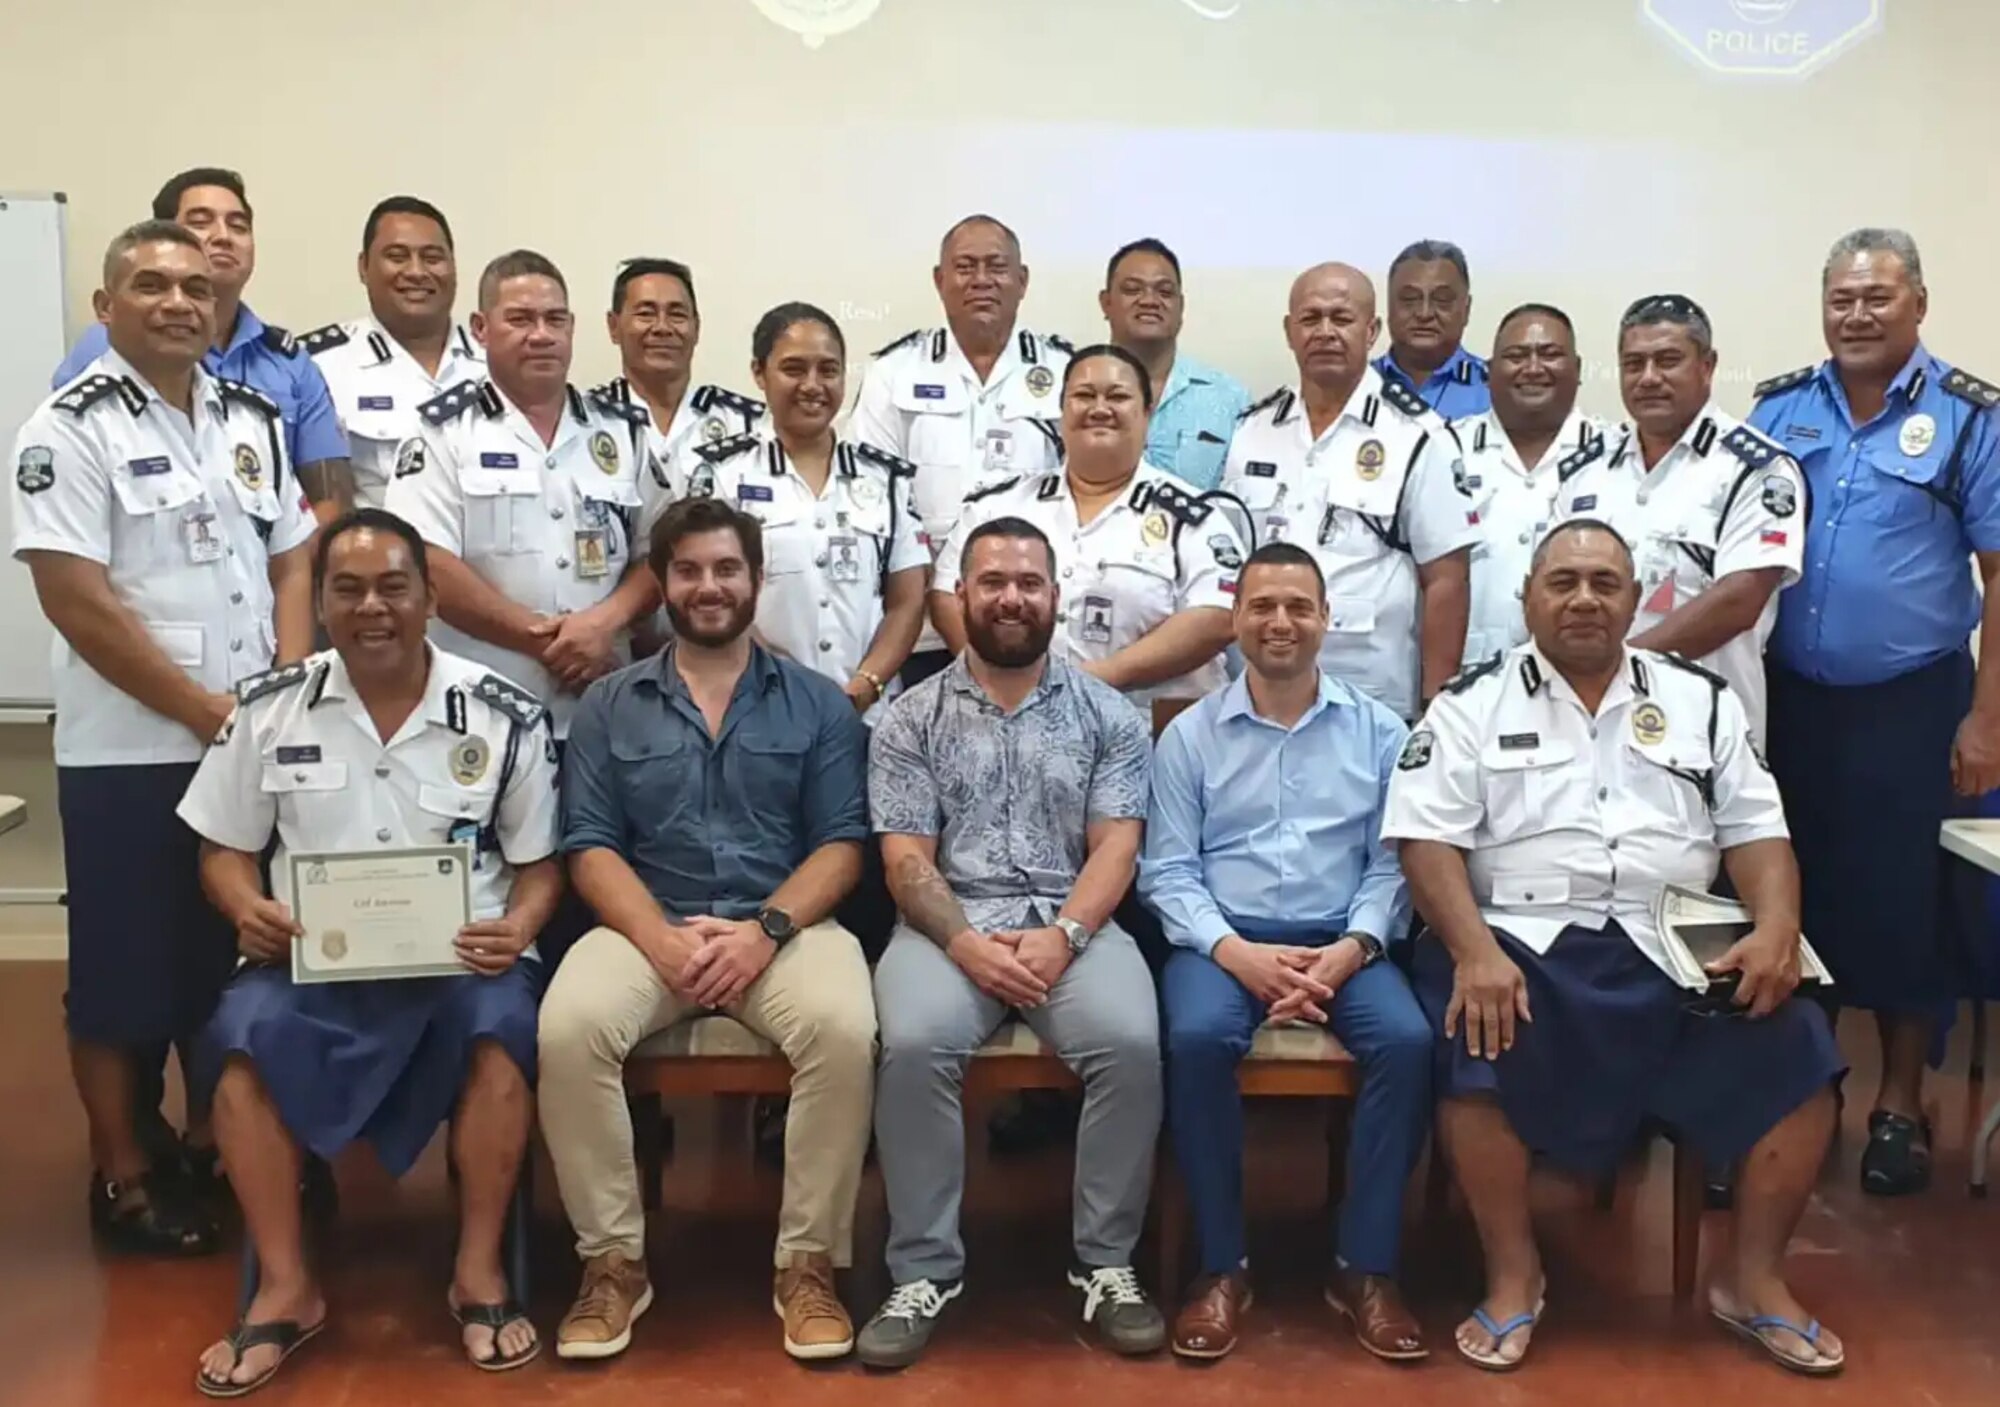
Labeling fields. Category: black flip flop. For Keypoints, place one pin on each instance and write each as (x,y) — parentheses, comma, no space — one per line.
(168,1223)
(497,1317)
(288,1336)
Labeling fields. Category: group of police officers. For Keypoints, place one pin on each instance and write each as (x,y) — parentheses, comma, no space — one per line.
(1814,557)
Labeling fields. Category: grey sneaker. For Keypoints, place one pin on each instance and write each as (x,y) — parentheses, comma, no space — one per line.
(901,1329)
(1114,1304)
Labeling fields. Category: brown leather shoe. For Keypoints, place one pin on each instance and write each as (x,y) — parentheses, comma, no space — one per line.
(1382,1323)
(614,1293)
(1207,1324)
(816,1322)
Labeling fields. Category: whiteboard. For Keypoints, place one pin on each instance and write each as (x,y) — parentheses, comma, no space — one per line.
(31,290)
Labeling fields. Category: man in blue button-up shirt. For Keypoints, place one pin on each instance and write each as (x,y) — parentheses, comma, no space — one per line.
(1195,407)
(1878,728)
(1430,298)
(211,202)
(1265,862)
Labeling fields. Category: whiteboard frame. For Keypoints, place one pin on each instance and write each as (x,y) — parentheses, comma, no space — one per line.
(42,711)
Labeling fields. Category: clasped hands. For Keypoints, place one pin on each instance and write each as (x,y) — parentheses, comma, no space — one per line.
(710,961)
(577,646)
(1293,983)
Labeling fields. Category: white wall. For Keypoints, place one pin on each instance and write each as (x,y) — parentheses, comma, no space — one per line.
(1578,152)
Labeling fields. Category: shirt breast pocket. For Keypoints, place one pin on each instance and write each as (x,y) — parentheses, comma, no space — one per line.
(501,509)
(1198,457)
(313,796)
(607,506)
(658,782)
(150,509)
(770,769)
(1524,788)
(259,504)
(1142,595)
(448,807)
(1904,492)
(1675,778)
(789,539)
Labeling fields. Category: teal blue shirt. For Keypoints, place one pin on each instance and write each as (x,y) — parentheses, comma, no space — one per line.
(1192,421)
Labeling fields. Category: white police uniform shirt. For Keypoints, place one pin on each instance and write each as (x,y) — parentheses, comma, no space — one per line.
(827,556)
(707,415)
(922,401)
(1152,553)
(1567,818)
(185,515)
(377,386)
(547,526)
(1516,504)
(1724,499)
(472,764)
(1371,499)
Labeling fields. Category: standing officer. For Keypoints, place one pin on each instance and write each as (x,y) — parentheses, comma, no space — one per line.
(1265,861)
(1518,456)
(1881,727)
(1148,569)
(1362,474)
(1709,504)
(407,350)
(1196,406)
(656,326)
(1430,298)
(526,492)
(211,202)
(844,567)
(155,508)
(968,403)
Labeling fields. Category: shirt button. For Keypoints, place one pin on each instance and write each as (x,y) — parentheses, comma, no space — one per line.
(820,521)
(1524,539)
(1069,571)
(1593,730)
(235,644)
(235,598)
(1603,793)
(1529,896)
(820,560)
(562,561)
(549,463)
(382,771)
(556,512)
(825,646)
(383,835)
(1840,483)
(160,502)
(1611,844)
(298,776)
(824,602)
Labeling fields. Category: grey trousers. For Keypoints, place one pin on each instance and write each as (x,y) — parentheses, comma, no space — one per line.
(1102,1018)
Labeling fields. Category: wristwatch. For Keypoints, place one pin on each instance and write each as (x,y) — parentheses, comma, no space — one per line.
(777,925)
(1079,936)
(1370,945)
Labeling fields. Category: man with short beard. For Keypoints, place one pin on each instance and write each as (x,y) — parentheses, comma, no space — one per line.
(713,815)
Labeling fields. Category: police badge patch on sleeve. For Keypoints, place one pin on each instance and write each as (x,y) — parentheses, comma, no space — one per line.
(37,469)
(410,458)
(1227,555)
(1780,499)
(1416,751)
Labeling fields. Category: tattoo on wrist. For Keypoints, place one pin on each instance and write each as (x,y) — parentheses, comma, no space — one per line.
(927,902)
(325,479)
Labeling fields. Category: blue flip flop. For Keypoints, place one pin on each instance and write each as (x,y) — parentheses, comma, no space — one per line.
(1757,1326)
(1491,1360)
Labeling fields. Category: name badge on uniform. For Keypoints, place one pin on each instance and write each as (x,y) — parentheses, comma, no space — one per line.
(1261,469)
(376,403)
(753,493)
(1583,504)
(1095,628)
(928,393)
(153,464)
(1520,742)
(593,553)
(293,756)
(198,534)
(999,449)
(844,558)
(492,459)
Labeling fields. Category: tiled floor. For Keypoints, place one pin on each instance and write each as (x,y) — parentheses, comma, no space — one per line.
(1914,1287)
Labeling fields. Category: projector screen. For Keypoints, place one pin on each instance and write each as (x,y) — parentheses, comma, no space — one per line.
(1583,152)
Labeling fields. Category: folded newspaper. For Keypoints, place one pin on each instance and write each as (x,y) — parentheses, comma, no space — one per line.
(1696,929)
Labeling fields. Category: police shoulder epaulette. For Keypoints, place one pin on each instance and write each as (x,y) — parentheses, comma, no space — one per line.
(1683,662)
(279,341)
(988,490)
(1970,388)
(1750,447)
(1587,453)
(1182,504)
(897,466)
(324,339)
(1281,394)
(442,410)
(249,395)
(617,389)
(901,342)
(618,410)
(1783,383)
(726,449)
(271,681)
(1404,399)
(1061,344)
(748,407)
(511,699)
(86,393)
(1473,673)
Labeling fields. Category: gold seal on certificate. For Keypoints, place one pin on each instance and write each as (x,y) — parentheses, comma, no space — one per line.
(372,916)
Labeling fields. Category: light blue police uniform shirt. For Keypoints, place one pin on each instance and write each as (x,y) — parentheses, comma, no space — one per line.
(312,429)
(1257,824)
(1193,419)
(1886,587)
(1455,390)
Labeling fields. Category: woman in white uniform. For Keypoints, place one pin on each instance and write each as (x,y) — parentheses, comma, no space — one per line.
(844,565)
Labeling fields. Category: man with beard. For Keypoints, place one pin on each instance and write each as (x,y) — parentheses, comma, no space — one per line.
(714,811)
(407,350)
(1540,807)
(1010,793)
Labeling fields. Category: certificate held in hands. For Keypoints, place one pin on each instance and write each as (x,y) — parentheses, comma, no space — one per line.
(375,915)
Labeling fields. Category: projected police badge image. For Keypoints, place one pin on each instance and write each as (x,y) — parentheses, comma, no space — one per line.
(1765,38)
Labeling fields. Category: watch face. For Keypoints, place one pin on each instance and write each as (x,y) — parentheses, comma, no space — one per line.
(777,925)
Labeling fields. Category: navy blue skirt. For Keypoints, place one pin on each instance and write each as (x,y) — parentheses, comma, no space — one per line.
(1865,772)
(384,1061)
(147,954)
(1612,1045)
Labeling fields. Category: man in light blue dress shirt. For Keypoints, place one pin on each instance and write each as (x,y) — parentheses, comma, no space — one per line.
(1265,863)
(1195,407)
(211,202)
(1430,299)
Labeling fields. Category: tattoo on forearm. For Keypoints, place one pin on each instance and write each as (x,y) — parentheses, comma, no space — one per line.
(927,902)
(325,479)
